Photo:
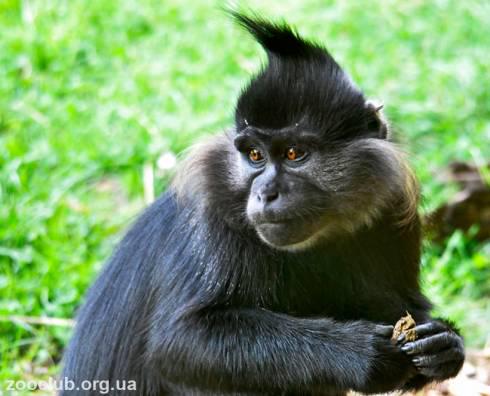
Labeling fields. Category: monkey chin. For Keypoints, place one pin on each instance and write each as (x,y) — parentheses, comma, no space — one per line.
(280,237)
(287,237)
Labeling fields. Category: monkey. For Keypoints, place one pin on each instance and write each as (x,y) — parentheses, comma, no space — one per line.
(279,258)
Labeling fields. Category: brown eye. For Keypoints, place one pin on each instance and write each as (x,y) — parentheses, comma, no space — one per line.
(255,155)
(294,154)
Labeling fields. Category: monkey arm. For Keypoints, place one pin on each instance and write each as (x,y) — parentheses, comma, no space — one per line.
(250,349)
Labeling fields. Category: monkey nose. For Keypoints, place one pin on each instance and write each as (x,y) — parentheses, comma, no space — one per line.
(267,196)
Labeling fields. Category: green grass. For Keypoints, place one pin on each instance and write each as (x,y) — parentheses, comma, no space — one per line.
(90,92)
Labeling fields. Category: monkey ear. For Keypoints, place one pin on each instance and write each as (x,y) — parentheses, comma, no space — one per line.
(377,126)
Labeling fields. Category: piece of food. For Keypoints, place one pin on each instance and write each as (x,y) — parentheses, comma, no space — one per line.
(406,325)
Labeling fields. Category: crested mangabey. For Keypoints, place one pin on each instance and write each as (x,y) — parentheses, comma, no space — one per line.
(278,259)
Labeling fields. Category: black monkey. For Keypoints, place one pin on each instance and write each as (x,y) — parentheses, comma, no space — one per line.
(280,257)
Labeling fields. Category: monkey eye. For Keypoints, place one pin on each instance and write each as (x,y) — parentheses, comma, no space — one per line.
(295,154)
(255,155)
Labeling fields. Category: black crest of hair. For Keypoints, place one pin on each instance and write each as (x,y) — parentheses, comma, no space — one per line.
(278,260)
(299,79)
(280,39)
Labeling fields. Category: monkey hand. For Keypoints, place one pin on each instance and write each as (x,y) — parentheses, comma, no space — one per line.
(388,367)
(438,352)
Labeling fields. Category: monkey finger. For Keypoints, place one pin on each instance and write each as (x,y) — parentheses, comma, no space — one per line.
(432,344)
(448,355)
(384,330)
(441,371)
(429,328)
(431,372)
(401,339)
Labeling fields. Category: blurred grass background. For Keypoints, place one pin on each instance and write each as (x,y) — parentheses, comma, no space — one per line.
(91,91)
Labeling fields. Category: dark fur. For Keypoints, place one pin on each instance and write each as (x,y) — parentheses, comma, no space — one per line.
(304,78)
(193,302)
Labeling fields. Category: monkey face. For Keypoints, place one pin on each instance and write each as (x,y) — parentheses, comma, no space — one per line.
(303,188)
(281,200)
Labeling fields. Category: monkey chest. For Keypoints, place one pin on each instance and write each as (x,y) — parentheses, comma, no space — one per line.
(338,295)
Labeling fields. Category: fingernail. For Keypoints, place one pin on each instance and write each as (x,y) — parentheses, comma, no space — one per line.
(407,347)
(416,361)
(400,339)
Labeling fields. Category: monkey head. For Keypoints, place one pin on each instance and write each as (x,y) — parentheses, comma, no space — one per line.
(312,152)
(309,157)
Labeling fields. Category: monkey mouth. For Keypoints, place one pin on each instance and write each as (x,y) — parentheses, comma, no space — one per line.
(270,218)
(273,222)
